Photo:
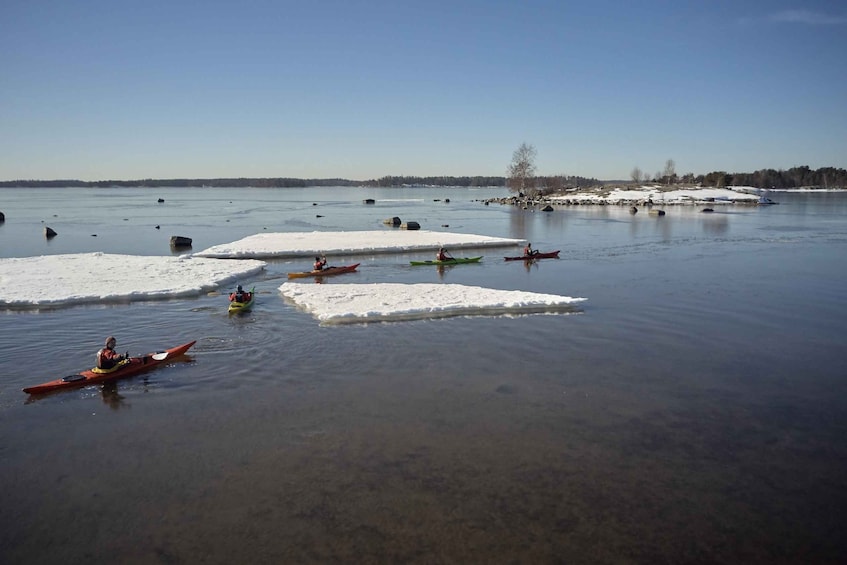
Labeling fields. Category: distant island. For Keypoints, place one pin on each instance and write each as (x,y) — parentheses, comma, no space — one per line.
(795,177)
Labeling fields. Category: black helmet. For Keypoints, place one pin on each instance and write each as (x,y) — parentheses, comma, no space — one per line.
(239,289)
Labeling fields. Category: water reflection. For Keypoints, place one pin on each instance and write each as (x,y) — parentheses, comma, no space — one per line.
(715,224)
(111,397)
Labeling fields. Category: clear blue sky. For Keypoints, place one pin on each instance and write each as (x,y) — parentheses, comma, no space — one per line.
(99,90)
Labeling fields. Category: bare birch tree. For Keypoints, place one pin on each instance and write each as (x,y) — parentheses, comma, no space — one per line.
(670,171)
(521,171)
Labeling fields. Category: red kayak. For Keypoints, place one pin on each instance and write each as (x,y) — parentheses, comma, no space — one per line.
(126,368)
(324,272)
(550,255)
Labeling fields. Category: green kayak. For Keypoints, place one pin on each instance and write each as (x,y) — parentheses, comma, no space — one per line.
(457,261)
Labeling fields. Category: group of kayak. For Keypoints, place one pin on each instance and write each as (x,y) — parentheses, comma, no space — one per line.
(241,301)
(442,258)
(111,366)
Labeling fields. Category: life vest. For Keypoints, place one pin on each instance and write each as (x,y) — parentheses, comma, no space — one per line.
(106,358)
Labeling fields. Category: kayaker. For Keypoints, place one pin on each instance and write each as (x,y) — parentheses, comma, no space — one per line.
(108,357)
(239,295)
(320,263)
(443,255)
(528,251)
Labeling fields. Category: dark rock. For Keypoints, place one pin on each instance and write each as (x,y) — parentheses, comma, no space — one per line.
(411,226)
(708,210)
(547,208)
(395,221)
(160,200)
(633,210)
(370,201)
(49,233)
(2,217)
(180,241)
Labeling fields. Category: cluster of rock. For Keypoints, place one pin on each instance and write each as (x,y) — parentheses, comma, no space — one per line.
(177,241)
(398,223)
(681,197)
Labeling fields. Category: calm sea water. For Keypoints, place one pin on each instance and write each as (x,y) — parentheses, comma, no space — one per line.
(694,412)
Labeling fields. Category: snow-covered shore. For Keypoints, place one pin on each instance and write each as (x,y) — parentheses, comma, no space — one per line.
(646,195)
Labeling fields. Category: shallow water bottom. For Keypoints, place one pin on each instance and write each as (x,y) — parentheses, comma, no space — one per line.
(584,453)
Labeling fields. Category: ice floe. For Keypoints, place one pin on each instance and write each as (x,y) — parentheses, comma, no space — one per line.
(357,303)
(53,280)
(304,244)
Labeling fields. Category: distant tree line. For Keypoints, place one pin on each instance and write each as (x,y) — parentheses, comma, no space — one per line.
(522,179)
(389,181)
(796,177)
(222,182)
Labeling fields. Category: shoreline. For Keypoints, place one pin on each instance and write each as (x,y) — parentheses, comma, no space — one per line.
(647,196)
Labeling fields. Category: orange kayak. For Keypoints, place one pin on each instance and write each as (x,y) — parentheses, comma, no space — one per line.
(325,272)
(128,368)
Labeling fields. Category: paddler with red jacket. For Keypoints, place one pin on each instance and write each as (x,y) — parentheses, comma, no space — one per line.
(107,357)
(239,295)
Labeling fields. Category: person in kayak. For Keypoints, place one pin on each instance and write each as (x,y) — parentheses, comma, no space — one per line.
(528,251)
(108,357)
(320,264)
(443,255)
(239,295)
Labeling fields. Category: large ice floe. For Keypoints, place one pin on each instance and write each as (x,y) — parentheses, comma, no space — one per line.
(53,280)
(358,303)
(304,244)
